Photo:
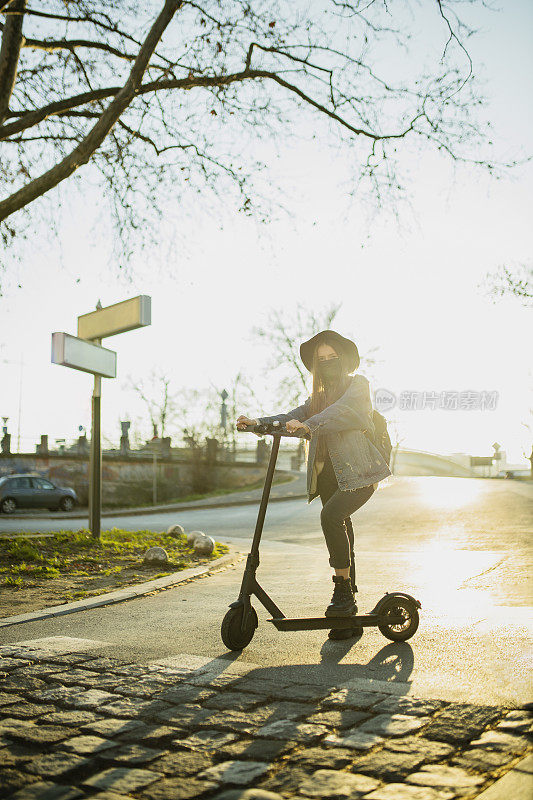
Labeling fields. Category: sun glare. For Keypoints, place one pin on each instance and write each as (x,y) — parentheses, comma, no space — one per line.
(441,570)
(449,493)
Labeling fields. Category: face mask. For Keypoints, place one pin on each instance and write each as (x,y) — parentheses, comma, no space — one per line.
(330,370)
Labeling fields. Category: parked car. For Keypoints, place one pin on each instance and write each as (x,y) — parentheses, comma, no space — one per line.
(32,491)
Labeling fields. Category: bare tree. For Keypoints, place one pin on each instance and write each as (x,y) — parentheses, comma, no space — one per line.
(188,413)
(203,417)
(513,281)
(169,98)
(283,333)
(161,402)
(393,427)
(241,394)
(526,452)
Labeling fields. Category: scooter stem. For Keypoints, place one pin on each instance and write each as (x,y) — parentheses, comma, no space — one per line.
(254,551)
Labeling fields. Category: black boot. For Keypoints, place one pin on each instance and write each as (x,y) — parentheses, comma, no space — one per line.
(343,601)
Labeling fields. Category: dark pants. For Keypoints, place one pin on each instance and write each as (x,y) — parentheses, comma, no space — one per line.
(337,505)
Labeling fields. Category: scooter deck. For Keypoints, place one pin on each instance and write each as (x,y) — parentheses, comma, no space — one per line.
(324,623)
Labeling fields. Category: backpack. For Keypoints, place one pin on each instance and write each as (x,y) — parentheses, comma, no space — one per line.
(382,439)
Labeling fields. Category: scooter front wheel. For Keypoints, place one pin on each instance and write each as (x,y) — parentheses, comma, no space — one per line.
(234,635)
(399,619)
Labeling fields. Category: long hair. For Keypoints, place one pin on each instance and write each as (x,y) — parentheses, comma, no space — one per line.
(323,396)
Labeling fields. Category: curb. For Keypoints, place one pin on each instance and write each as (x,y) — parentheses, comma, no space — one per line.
(120,595)
(136,512)
(516,783)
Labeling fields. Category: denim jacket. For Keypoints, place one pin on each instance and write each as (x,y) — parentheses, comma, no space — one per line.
(356,461)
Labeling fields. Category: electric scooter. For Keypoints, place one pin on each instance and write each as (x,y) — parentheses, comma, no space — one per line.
(396,614)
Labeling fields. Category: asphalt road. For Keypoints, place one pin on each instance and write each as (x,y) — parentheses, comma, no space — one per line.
(461,546)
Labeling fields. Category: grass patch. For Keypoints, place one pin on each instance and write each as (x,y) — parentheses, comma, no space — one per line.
(214,493)
(12,581)
(76,555)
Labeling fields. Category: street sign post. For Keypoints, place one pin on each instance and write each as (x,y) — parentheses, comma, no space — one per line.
(118,318)
(85,353)
(69,351)
(481,461)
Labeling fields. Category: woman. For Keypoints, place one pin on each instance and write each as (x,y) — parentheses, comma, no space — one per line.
(343,466)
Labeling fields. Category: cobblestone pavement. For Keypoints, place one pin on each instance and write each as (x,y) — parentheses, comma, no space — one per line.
(79,725)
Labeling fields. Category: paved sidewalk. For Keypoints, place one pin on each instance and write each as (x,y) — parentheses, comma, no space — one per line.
(288,490)
(76,723)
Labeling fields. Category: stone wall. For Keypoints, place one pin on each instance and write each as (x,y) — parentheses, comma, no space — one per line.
(128,480)
(415,462)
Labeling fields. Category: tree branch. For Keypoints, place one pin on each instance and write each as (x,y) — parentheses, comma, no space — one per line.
(65,18)
(55,45)
(82,153)
(31,118)
(111,28)
(9,55)
(52,45)
(452,35)
(359,131)
(281,53)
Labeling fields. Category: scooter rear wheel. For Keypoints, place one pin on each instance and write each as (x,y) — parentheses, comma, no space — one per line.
(400,619)
(234,636)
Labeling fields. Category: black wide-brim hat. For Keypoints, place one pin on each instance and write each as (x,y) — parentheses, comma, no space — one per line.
(334,339)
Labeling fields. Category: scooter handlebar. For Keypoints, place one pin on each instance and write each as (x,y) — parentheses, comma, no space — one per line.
(275,428)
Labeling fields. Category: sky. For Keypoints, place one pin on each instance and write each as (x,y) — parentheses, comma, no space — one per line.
(414,289)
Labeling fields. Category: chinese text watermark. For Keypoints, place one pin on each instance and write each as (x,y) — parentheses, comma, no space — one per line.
(448,400)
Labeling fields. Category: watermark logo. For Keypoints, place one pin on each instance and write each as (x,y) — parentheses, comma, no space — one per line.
(384,399)
(448,400)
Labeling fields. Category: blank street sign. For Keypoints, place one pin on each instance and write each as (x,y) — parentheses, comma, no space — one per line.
(118,318)
(69,351)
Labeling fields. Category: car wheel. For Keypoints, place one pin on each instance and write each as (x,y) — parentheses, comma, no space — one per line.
(8,505)
(66,504)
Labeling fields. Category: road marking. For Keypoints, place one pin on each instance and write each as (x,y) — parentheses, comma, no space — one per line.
(198,664)
(204,664)
(61,644)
